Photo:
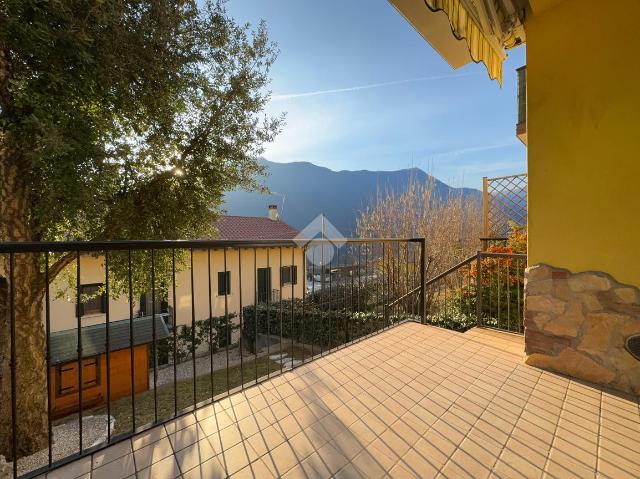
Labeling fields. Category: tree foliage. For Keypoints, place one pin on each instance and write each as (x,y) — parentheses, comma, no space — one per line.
(119,119)
(130,119)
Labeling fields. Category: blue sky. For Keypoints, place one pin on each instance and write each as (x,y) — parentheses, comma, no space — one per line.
(362,90)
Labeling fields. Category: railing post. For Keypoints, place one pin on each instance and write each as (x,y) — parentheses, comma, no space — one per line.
(485,208)
(479,287)
(423,267)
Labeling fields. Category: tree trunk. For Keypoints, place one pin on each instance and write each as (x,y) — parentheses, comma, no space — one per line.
(31,375)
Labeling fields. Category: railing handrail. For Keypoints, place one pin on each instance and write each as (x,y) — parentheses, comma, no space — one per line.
(92,246)
(404,296)
(472,258)
(451,270)
(502,255)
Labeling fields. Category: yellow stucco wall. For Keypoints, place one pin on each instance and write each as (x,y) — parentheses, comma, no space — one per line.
(583,69)
(63,311)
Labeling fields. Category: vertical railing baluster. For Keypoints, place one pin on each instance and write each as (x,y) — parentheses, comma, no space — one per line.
(508,261)
(398,270)
(423,280)
(255,311)
(175,332)
(131,351)
(330,307)
(406,279)
(47,315)
(193,330)
(293,266)
(385,280)
(322,294)
(479,289)
(313,297)
(154,335)
(520,322)
(240,313)
(345,260)
(12,364)
(304,293)
(359,287)
(352,302)
(107,342)
(497,262)
(269,291)
(211,348)
(80,365)
(227,333)
(280,305)
(446,309)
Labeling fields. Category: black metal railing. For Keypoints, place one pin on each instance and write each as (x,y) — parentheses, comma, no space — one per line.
(169,326)
(486,289)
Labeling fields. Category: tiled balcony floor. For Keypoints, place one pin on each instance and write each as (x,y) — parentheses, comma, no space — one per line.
(413,401)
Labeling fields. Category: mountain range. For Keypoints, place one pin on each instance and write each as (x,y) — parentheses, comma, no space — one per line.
(303,190)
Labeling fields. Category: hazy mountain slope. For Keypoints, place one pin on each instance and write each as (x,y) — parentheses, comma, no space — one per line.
(311,190)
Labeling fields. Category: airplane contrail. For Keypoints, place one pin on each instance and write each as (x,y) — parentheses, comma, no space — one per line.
(290,96)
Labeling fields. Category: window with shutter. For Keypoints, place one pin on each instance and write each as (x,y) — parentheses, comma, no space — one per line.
(288,275)
(93,300)
(224,283)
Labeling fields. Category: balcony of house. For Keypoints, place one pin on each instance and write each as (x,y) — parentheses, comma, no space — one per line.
(249,359)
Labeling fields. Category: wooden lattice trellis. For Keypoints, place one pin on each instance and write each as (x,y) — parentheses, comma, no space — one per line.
(505,200)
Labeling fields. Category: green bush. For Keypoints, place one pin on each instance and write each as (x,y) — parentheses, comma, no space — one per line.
(312,324)
(187,343)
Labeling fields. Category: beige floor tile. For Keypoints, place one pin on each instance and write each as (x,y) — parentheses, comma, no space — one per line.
(420,464)
(444,404)
(348,444)
(194,454)
(563,464)
(349,472)
(283,458)
(258,470)
(266,440)
(74,469)
(187,436)
(315,467)
(165,469)
(229,437)
(301,445)
(153,453)
(288,426)
(333,460)
(111,453)
(462,464)
(210,469)
(180,423)
(121,468)
(395,441)
(145,438)
(384,455)
(237,457)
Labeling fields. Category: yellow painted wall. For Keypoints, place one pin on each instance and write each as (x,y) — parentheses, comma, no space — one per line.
(583,74)
(63,312)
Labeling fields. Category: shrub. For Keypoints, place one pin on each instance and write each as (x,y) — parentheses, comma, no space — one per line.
(312,324)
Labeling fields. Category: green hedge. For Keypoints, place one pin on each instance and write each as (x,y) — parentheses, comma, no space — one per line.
(312,324)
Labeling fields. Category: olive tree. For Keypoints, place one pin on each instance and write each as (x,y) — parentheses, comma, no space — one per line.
(119,119)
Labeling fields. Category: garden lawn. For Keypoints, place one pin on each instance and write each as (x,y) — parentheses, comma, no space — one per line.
(121,409)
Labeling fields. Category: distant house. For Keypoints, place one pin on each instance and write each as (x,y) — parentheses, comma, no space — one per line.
(266,273)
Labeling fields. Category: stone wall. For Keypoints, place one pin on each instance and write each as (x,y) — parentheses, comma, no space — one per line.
(577,324)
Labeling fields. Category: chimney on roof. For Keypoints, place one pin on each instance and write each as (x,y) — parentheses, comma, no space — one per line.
(273,213)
